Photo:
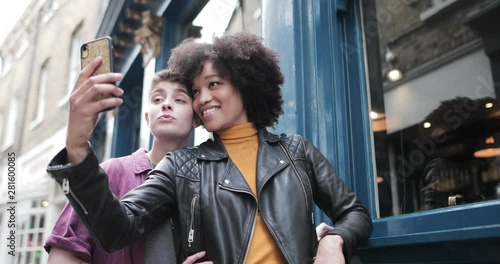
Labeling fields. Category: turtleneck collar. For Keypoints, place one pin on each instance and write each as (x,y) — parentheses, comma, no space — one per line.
(238,131)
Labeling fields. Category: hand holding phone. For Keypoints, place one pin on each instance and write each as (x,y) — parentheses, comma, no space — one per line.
(90,95)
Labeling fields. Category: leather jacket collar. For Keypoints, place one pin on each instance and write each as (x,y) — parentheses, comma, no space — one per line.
(215,150)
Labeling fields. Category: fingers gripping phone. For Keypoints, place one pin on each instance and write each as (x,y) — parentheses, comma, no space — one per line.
(103,47)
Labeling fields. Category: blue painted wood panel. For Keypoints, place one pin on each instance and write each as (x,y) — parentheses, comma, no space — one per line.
(315,48)
(128,119)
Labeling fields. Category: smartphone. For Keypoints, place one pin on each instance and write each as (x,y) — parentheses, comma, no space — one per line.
(100,47)
(103,47)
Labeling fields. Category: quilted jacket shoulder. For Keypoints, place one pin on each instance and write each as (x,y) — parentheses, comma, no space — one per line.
(295,145)
(186,163)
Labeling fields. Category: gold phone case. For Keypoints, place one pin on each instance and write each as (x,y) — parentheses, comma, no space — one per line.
(100,47)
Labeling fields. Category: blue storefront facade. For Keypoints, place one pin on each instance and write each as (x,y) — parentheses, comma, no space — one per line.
(324,48)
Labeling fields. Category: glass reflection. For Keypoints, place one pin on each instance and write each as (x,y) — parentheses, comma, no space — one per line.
(433,71)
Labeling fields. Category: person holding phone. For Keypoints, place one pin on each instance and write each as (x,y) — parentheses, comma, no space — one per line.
(170,118)
(230,193)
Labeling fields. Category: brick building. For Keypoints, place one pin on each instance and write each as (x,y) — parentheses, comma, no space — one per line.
(40,63)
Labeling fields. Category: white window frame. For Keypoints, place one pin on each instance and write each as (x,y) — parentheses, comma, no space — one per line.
(38,113)
(48,9)
(6,64)
(11,127)
(74,64)
(2,133)
(22,46)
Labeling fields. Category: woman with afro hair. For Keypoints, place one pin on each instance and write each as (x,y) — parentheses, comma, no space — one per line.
(245,196)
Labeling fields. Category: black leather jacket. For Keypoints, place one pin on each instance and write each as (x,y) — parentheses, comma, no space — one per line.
(215,205)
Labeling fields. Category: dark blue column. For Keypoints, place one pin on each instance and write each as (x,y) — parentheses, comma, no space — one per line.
(321,51)
(128,119)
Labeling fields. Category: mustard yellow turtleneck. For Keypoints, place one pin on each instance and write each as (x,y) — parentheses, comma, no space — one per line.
(242,144)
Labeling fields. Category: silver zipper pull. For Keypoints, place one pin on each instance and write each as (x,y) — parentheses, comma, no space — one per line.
(65,186)
(190,237)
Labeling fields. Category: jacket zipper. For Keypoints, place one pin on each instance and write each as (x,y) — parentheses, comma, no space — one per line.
(251,234)
(298,176)
(67,190)
(191,223)
(254,219)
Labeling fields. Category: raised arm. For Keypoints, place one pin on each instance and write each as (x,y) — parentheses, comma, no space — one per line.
(89,97)
(114,223)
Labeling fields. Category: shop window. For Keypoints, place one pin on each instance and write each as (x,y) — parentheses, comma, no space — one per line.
(434,107)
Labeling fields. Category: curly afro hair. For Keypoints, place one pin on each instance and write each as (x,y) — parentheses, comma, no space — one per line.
(242,57)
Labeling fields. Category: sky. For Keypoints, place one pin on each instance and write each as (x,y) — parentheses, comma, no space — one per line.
(214,18)
(10,12)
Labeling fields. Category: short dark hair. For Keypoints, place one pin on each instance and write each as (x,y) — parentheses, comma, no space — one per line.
(251,66)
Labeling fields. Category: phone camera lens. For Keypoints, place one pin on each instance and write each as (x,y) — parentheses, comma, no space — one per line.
(84,51)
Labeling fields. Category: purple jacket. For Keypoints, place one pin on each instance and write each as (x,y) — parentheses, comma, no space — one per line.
(70,233)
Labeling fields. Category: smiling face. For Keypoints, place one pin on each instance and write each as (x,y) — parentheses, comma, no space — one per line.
(170,115)
(216,101)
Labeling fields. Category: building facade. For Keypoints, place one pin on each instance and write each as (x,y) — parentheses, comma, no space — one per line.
(40,63)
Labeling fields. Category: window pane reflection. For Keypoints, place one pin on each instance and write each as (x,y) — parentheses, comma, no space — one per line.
(433,71)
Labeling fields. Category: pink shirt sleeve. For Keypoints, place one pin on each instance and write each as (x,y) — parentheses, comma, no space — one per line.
(71,234)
